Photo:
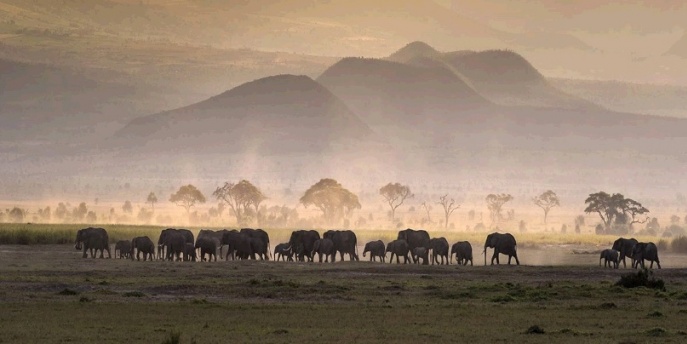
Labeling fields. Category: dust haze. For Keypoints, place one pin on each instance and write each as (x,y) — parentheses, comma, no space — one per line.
(104,102)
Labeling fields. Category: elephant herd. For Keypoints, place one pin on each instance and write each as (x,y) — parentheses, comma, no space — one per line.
(638,252)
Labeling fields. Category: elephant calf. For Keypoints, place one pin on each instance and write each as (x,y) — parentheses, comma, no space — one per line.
(376,249)
(190,252)
(124,248)
(324,247)
(611,258)
(283,252)
(399,248)
(421,253)
(463,252)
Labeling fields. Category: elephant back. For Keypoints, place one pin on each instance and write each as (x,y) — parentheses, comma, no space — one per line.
(415,238)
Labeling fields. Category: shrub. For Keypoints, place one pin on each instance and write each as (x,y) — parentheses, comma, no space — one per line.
(641,278)
(535,329)
(679,244)
(662,245)
(173,338)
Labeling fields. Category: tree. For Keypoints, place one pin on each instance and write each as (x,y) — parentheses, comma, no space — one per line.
(449,207)
(186,197)
(332,199)
(127,208)
(495,202)
(240,197)
(615,209)
(80,212)
(152,199)
(394,195)
(427,208)
(16,215)
(546,201)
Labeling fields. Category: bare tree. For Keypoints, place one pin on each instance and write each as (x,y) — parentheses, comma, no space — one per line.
(240,197)
(152,199)
(394,195)
(427,208)
(546,201)
(449,207)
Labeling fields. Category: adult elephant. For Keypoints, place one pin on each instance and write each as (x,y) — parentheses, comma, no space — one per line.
(175,245)
(345,242)
(399,248)
(419,238)
(302,241)
(124,248)
(502,243)
(610,258)
(142,244)
(215,236)
(264,238)
(376,249)
(439,247)
(463,252)
(207,245)
(645,251)
(93,239)
(624,247)
(165,234)
(324,247)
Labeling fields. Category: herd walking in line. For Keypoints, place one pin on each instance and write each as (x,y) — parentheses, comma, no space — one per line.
(411,246)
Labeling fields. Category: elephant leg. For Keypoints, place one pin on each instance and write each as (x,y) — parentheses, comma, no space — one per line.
(658,263)
(495,256)
(517,261)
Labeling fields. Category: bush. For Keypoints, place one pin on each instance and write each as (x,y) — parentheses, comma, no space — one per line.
(662,245)
(174,338)
(641,278)
(678,245)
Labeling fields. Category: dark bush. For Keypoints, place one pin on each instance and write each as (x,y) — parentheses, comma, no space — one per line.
(641,278)
(679,245)
(535,329)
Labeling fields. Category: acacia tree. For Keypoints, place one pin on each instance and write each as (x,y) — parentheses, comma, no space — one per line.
(332,199)
(394,195)
(546,201)
(127,207)
(615,209)
(240,197)
(187,196)
(152,199)
(495,202)
(449,206)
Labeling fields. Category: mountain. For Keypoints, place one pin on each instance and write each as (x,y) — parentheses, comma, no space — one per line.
(282,114)
(679,48)
(502,76)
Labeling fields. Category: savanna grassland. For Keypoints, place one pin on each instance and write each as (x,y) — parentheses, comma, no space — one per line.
(559,288)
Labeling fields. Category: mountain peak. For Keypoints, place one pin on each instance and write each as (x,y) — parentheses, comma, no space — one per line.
(412,51)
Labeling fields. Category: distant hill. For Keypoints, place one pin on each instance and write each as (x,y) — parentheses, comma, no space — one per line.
(502,76)
(679,48)
(282,114)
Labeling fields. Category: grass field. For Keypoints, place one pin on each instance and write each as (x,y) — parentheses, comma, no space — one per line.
(113,301)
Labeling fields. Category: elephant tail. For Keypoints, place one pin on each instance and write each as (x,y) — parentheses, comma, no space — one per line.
(269,251)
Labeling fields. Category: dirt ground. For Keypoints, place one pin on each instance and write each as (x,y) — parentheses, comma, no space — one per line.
(566,294)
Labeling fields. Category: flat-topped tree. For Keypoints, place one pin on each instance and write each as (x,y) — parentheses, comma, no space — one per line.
(240,197)
(394,195)
(615,209)
(546,201)
(187,196)
(495,202)
(332,199)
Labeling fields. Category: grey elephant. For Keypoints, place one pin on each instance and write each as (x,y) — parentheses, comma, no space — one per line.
(93,239)
(190,253)
(345,242)
(258,248)
(175,244)
(421,253)
(215,236)
(144,245)
(264,251)
(207,246)
(301,242)
(439,247)
(414,238)
(283,252)
(376,249)
(231,239)
(502,243)
(463,252)
(399,248)
(610,258)
(164,245)
(324,247)
(624,248)
(645,251)
(124,248)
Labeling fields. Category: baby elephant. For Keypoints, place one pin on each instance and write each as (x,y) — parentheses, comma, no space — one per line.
(421,252)
(611,257)
(283,252)
(190,252)
(376,249)
(124,248)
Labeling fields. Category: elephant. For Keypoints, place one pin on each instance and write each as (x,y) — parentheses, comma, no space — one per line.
(283,252)
(124,248)
(419,238)
(264,238)
(215,236)
(345,242)
(324,247)
(463,252)
(624,247)
(175,244)
(232,239)
(162,244)
(502,243)
(399,248)
(142,244)
(439,247)
(258,247)
(301,242)
(376,249)
(190,252)
(420,253)
(610,257)
(645,251)
(93,239)
(207,245)
(245,245)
